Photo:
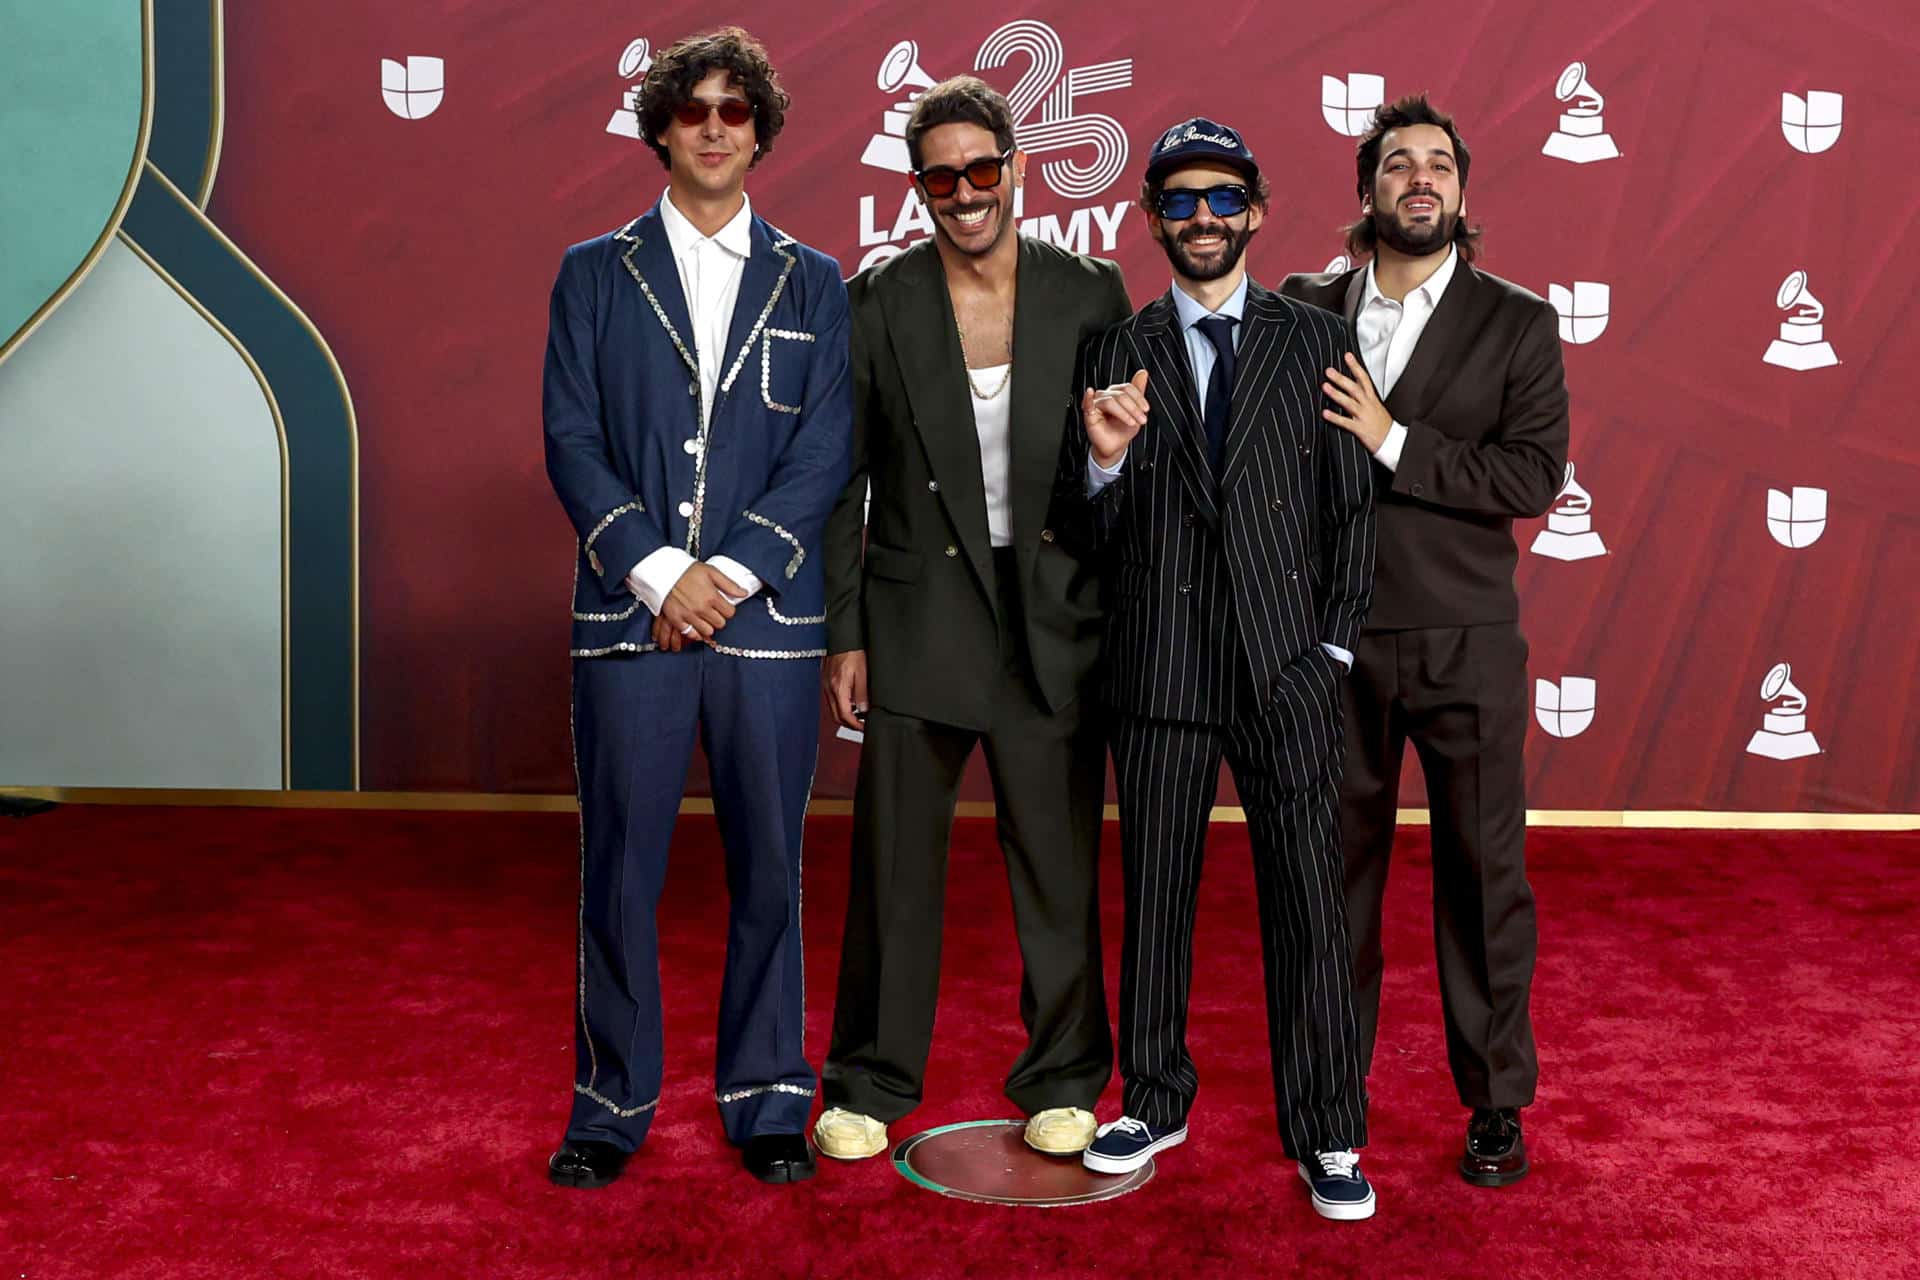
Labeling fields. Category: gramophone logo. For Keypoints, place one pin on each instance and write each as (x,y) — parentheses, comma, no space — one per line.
(413,91)
(899,70)
(1783,734)
(1582,136)
(1812,123)
(635,59)
(1348,105)
(1079,153)
(1583,309)
(1564,709)
(1569,533)
(1797,519)
(1802,344)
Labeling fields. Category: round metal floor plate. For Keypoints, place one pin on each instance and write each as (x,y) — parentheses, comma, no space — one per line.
(989,1161)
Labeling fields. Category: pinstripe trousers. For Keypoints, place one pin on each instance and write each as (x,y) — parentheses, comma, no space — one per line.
(1285,756)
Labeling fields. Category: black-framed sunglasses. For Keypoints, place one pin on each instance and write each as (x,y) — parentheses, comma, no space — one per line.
(1180,203)
(984,174)
(734,112)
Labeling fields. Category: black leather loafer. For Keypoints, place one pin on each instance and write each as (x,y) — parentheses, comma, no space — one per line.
(586,1164)
(1496,1154)
(778,1157)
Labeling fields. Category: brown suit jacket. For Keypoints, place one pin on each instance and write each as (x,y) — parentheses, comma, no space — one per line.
(1484,402)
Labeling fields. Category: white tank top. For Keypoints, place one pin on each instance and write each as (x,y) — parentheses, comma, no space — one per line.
(993,421)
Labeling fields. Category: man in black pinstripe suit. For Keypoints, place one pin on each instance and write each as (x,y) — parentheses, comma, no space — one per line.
(1236,530)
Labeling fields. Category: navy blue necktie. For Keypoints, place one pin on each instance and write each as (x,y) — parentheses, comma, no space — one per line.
(1219,405)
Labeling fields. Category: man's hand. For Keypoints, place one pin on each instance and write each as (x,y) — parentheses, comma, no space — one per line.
(1366,417)
(844,676)
(669,639)
(1114,417)
(699,601)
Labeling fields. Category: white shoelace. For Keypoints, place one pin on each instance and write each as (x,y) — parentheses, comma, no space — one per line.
(1127,1125)
(1338,1164)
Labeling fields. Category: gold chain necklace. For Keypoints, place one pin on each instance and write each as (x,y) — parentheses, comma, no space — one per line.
(1005,378)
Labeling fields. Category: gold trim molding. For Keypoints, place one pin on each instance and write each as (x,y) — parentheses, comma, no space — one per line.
(119,214)
(468,801)
(217,105)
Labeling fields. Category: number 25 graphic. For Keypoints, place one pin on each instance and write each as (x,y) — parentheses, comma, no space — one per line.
(1058,128)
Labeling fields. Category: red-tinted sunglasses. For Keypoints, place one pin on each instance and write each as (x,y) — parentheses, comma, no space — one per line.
(734,112)
(982,175)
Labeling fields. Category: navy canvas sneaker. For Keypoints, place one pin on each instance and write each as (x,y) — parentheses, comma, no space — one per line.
(1123,1145)
(1340,1190)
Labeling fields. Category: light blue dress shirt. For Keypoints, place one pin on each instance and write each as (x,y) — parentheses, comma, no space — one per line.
(1200,356)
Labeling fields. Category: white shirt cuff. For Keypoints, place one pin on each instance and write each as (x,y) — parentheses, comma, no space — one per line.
(1338,654)
(1388,454)
(654,577)
(749,581)
(1099,477)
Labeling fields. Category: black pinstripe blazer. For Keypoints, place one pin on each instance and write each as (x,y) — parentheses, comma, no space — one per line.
(1280,552)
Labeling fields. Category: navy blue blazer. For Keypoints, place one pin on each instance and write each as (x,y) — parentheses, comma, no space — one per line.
(636,473)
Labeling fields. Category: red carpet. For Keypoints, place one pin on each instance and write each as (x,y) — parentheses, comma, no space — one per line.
(258,1043)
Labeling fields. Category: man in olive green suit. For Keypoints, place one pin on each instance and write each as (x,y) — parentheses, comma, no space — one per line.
(966,622)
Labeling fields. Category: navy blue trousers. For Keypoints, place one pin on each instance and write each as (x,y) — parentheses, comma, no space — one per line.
(634,721)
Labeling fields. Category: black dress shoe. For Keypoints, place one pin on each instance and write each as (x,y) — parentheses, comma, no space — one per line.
(586,1164)
(1496,1153)
(778,1157)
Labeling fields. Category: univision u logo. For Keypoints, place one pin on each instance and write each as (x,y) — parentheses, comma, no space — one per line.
(413,91)
(1348,105)
(1797,519)
(1583,309)
(1564,709)
(1812,123)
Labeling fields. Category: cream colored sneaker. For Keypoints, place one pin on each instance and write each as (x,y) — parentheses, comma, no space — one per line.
(848,1135)
(1060,1131)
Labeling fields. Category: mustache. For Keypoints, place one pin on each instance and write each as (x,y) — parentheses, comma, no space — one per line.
(1194,233)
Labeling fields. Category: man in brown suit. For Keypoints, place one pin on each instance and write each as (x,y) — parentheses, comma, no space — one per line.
(1471,433)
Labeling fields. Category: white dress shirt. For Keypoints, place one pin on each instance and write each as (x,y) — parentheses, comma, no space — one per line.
(1388,331)
(1200,356)
(710,268)
(993,422)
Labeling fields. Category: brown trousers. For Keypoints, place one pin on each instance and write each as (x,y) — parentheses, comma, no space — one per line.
(1459,694)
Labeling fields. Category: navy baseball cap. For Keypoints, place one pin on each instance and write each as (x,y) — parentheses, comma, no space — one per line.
(1200,139)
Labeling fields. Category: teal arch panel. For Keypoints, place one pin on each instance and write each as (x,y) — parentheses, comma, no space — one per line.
(72,134)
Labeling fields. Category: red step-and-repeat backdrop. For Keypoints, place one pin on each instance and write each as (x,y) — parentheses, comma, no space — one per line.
(1719,197)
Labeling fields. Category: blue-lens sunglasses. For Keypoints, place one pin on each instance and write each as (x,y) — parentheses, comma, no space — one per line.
(1180,203)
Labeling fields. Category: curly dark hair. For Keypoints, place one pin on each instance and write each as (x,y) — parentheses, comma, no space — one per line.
(960,100)
(680,68)
(1413,109)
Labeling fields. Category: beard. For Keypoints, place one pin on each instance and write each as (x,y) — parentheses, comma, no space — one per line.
(1192,268)
(1415,241)
(996,218)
